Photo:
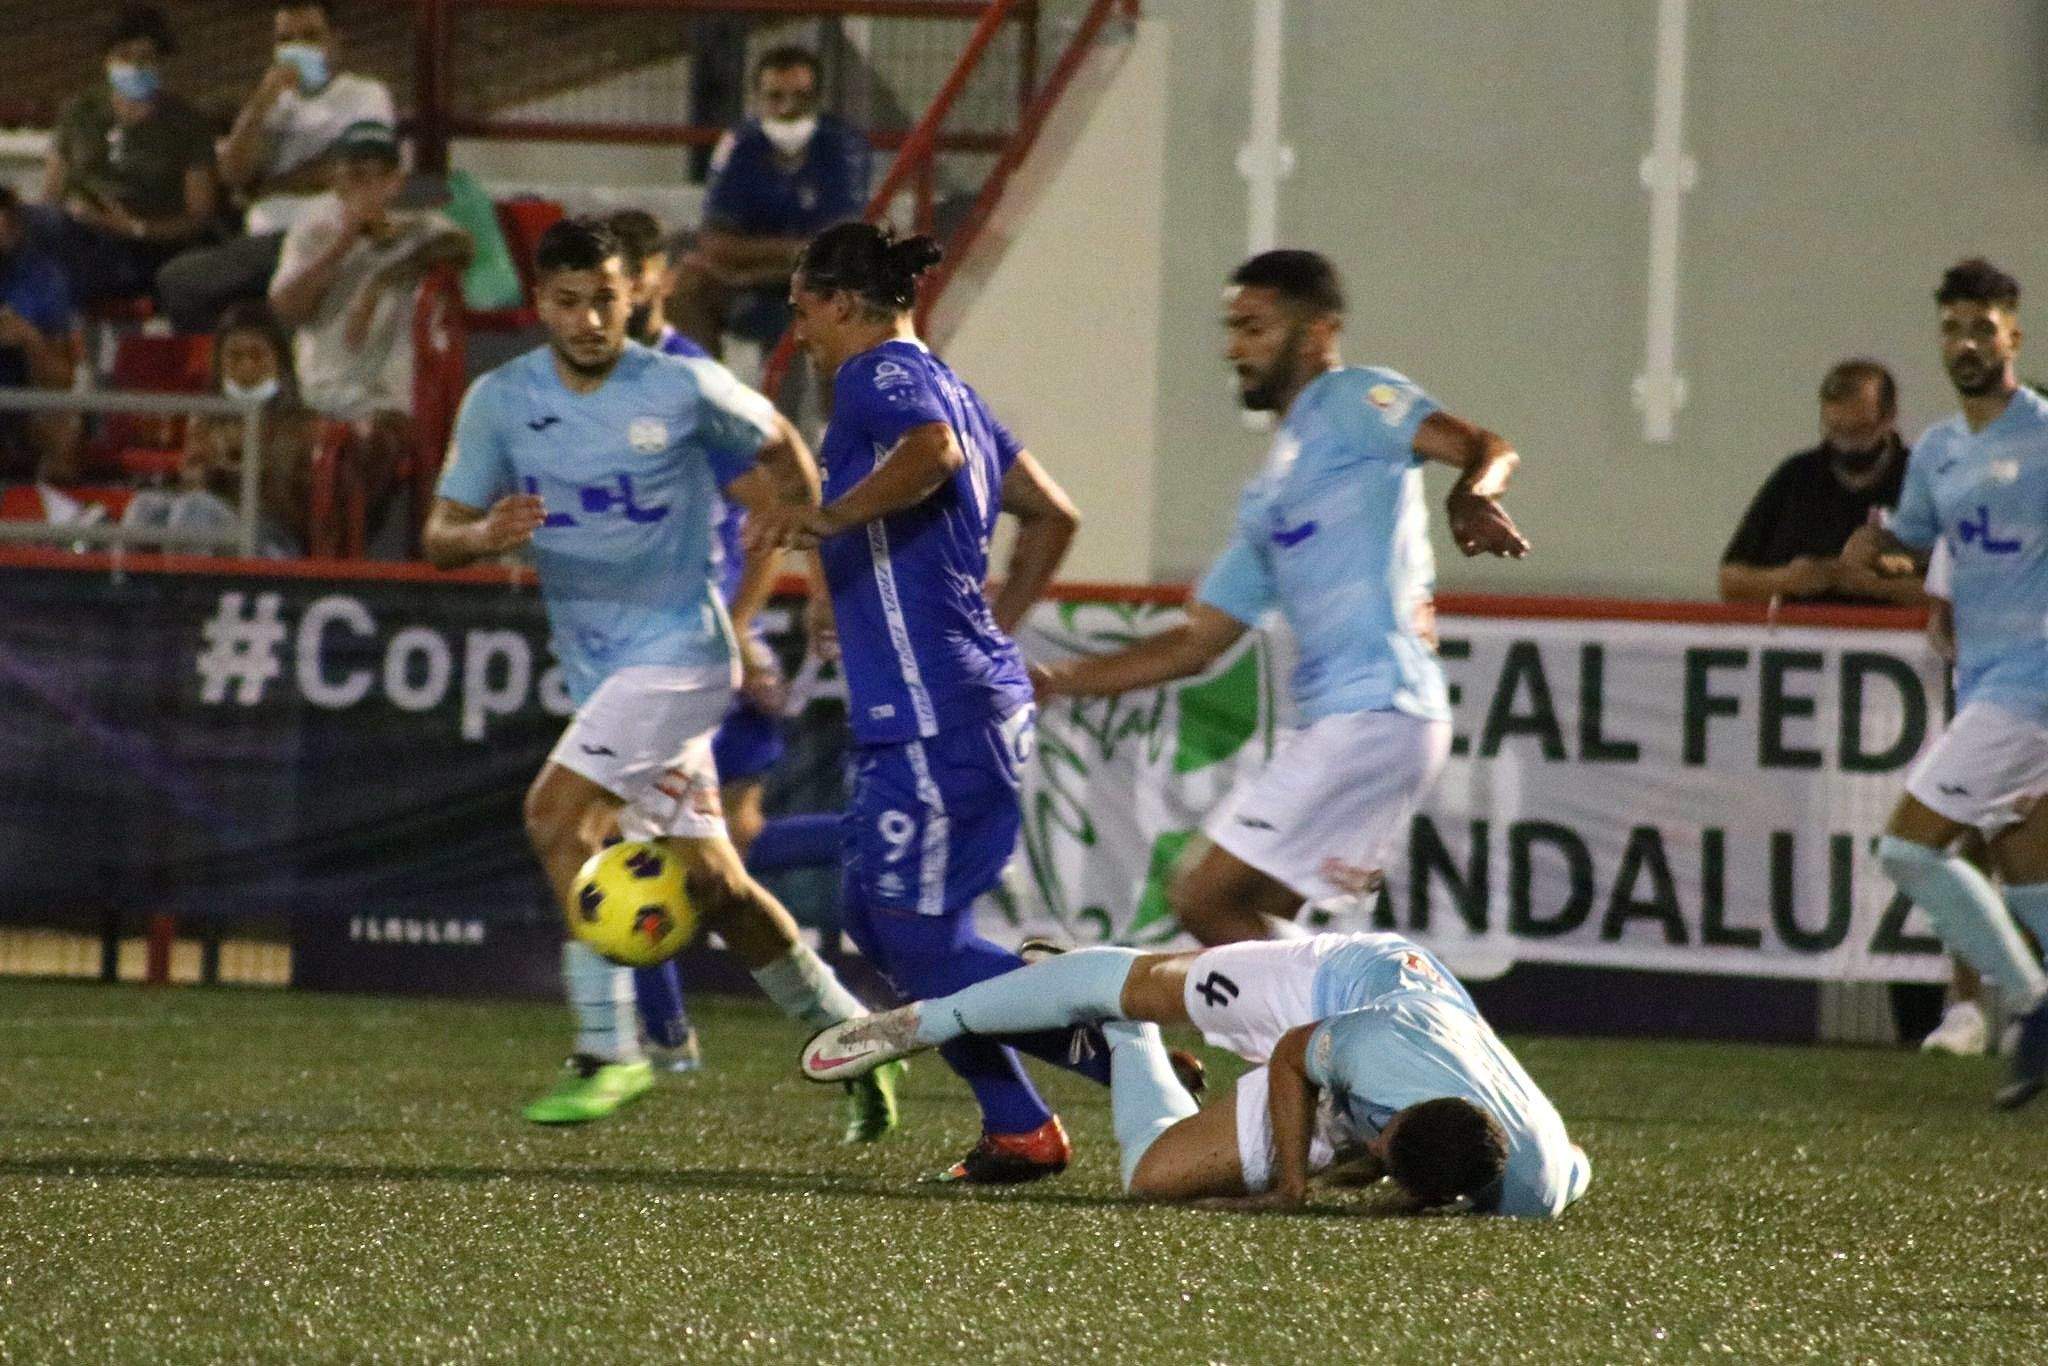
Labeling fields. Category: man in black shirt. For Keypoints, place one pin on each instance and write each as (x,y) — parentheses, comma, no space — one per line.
(1790,539)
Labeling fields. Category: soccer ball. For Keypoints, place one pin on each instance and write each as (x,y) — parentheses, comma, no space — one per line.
(630,905)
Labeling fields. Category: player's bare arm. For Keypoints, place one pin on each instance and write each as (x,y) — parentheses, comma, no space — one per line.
(457,534)
(1291,1109)
(1877,552)
(760,673)
(1046,522)
(1182,652)
(1479,524)
(914,469)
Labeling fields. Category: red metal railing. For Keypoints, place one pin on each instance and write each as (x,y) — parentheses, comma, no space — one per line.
(436,120)
(913,168)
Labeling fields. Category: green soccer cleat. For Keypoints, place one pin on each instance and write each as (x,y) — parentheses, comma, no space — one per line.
(593,1089)
(870,1104)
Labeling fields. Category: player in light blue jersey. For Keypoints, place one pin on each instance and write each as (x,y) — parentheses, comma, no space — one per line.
(916,471)
(605,457)
(1979,480)
(1334,533)
(1419,1087)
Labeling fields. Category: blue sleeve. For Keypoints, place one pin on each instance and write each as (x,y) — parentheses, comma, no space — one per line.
(733,422)
(843,193)
(45,299)
(1381,410)
(1915,521)
(882,399)
(1239,583)
(725,201)
(479,468)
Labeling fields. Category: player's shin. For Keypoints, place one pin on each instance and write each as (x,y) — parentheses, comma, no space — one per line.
(1073,988)
(1968,914)
(1144,1096)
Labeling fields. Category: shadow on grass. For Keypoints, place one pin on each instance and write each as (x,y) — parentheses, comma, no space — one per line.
(676,1179)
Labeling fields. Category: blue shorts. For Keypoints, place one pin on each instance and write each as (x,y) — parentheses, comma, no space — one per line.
(930,823)
(747,744)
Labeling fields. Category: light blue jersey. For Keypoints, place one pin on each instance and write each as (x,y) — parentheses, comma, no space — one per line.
(1362,968)
(1987,493)
(1335,534)
(630,473)
(1426,1043)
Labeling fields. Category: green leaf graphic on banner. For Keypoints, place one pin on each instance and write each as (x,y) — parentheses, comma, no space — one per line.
(1152,906)
(1219,715)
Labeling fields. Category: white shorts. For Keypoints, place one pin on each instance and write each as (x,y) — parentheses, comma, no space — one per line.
(1243,997)
(1322,814)
(1986,771)
(645,737)
(1255,1132)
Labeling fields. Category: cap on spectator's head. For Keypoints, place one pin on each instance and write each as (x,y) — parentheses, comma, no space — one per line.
(368,138)
(141,21)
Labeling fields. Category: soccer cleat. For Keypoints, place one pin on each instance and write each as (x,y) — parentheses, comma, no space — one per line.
(1012,1159)
(1960,1032)
(856,1047)
(686,1056)
(593,1089)
(871,1109)
(2029,1061)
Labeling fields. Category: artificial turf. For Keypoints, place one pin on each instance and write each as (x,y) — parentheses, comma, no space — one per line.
(196,1175)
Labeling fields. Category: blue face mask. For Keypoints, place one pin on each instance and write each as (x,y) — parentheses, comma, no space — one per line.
(309,59)
(132,82)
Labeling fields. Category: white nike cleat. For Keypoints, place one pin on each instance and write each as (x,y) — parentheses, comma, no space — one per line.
(854,1048)
(1960,1032)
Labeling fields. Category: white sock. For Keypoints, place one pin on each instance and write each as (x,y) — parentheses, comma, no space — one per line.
(1145,1098)
(1969,914)
(805,989)
(601,998)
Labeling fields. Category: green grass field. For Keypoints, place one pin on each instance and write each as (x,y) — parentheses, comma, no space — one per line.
(192,1175)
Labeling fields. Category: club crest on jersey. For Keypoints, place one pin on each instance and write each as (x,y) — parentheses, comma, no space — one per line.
(1391,400)
(647,435)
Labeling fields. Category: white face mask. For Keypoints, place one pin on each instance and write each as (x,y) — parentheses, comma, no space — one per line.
(790,136)
(261,392)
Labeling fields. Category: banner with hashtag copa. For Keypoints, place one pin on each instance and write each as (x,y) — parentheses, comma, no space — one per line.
(354,752)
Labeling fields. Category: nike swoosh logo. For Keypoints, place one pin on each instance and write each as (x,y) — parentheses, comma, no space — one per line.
(601,749)
(825,1064)
(541,424)
(1293,536)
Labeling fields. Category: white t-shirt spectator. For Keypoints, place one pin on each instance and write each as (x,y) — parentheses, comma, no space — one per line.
(336,379)
(302,128)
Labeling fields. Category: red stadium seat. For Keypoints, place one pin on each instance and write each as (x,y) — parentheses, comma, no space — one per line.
(440,349)
(336,521)
(523,221)
(157,365)
(24,502)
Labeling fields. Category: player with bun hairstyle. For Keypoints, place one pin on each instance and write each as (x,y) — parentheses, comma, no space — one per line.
(916,471)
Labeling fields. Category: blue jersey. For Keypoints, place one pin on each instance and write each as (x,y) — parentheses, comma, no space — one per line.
(728,516)
(754,193)
(918,645)
(1425,1043)
(1987,493)
(1335,534)
(627,473)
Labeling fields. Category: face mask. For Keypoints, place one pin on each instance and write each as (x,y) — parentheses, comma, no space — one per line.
(309,59)
(133,82)
(261,392)
(790,135)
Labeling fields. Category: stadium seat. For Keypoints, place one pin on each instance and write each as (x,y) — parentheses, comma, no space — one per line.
(523,221)
(440,356)
(26,502)
(136,443)
(337,521)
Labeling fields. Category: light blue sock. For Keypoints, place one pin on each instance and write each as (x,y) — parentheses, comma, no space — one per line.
(1969,916)
(1145,1098)
(804,987)
(601,998)
(2030,905)
(1072,988)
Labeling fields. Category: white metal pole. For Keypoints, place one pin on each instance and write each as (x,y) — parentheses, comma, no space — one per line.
(1667,172)
(1264,160)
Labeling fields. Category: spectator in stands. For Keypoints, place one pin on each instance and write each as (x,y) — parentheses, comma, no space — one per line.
(35,349)
(129,182)
(782,177)
(279,158)
(348,278)
(1796,526)
(251,361)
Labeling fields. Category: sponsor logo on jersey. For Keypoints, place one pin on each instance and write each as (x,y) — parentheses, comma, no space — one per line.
(647,435)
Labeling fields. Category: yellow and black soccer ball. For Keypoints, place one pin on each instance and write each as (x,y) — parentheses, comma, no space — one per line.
(629,903)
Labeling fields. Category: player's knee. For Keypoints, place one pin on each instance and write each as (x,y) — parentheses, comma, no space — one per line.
(548,819)
(717,889)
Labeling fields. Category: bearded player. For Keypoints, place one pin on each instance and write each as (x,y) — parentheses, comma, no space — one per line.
(1419,1086)
(1979,480)
(1334,533)
(606,458)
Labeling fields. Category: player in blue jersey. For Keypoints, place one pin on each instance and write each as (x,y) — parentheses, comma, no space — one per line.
(916,471)
(605,457)
(1334,533)
(748,742)
(1980,480)
(1419,1086)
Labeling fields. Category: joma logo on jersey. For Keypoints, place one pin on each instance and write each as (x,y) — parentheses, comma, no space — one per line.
(1979,532)
(598,500)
